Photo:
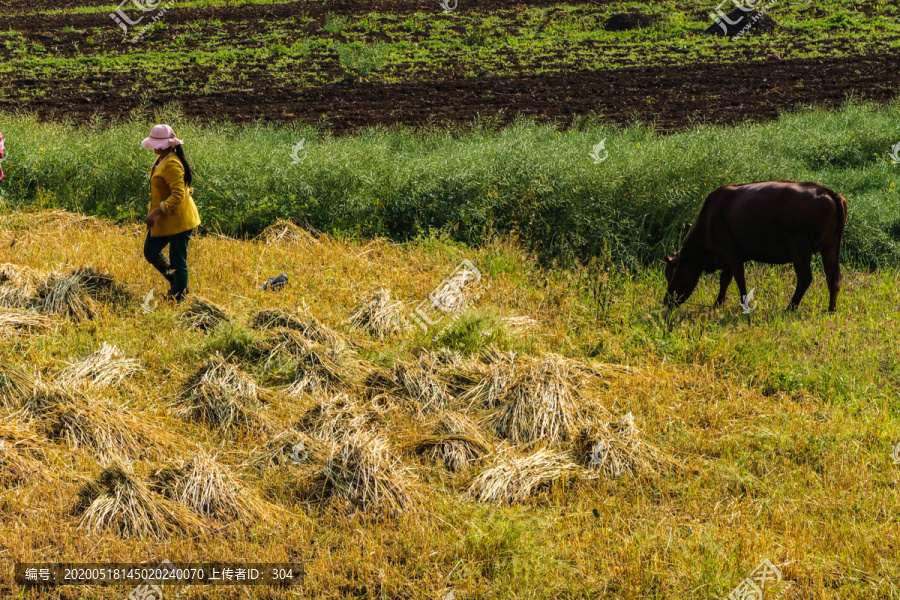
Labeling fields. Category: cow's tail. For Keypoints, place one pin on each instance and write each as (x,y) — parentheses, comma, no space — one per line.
(840,207)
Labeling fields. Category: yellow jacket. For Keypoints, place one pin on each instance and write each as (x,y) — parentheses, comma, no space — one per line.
(169,193)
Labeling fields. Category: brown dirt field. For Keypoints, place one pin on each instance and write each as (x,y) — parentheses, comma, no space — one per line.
(672,97)
(316,10)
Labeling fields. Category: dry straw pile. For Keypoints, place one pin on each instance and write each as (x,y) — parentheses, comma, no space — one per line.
(222,396)
(286,233)
(15,322)
(19,285)
(379,316)
(323,370)
(337,417)
(614,449)
(289,447)
(79,294)
(203,314)
(455,440)
(540,403)
(362,474)
(516,478)
(107,367)
(210,489)
(94,424)
(415,388)
(118,500)
(307,325)
(21,455)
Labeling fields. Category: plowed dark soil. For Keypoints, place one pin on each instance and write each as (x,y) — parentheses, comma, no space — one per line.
(37,21)
(672,97)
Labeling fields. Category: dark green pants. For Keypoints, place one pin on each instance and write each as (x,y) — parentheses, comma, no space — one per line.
(174,269)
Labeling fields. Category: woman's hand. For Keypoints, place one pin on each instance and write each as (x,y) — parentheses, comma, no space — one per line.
(153,217)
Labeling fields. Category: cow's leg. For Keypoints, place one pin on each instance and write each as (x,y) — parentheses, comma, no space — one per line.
(737,269)
(724,282)
(803,269)
(832,263)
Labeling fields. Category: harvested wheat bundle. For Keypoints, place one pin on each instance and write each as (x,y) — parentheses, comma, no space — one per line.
(455,440)
(379,316)
(286,232)
(30,393)
(15,322)
(513,479)
(20,455)
(441,360)
(210,489)
(19,285)
(283,343)
(12,272)
(458,374)
(486,385)
(80,294)
(322,370)
(362,473)
(493,355)
(105,430)
(119,501)
(420,389)
(106,367)
(542,403)
(307,325)
(222,396)
(202,314)
(336,417)
(270,318)
(289,447)
(615,449)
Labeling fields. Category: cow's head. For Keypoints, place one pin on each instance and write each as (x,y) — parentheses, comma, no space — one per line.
(682,277)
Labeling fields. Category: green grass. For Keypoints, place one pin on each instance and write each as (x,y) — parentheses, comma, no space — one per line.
(528,181)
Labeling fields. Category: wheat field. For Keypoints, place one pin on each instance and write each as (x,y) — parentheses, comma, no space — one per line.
(563,438)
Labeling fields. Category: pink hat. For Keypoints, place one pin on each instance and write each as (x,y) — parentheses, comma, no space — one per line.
(161,136)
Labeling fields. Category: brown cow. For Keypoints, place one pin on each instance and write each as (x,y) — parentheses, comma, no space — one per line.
(774,222)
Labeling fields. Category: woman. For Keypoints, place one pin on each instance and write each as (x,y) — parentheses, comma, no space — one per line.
(173,214)
(2,154)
